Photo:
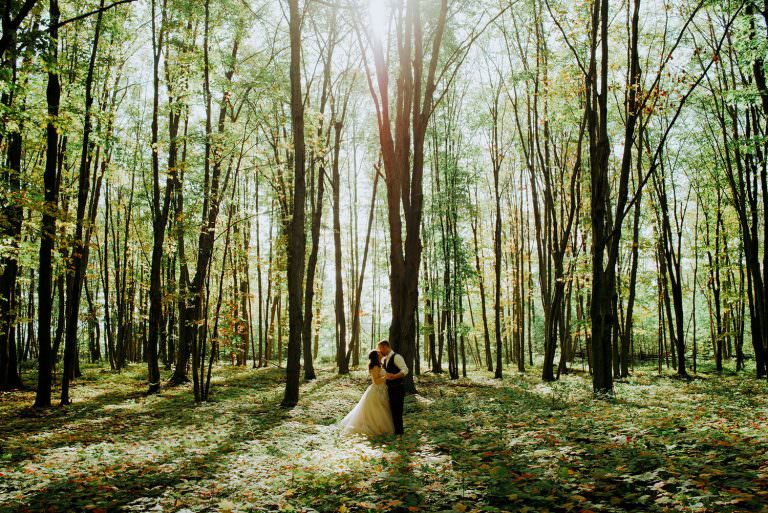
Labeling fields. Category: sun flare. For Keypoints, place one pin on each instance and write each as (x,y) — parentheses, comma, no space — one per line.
(378,18)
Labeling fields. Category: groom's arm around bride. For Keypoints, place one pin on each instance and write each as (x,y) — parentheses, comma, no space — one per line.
(399,362)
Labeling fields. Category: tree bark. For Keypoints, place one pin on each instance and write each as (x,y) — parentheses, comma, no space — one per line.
(403,158)
(83,227)
(296,231)
(45,274)
(159,210)
(481,282)
(13,216)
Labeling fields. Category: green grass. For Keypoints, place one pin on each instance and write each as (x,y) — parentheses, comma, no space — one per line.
(473,445)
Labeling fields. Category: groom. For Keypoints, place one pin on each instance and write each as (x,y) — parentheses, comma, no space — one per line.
(396,369)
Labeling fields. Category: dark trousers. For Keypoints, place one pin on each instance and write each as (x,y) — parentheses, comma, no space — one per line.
(396,393)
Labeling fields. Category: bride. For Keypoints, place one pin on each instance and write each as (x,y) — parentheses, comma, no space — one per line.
(371,416)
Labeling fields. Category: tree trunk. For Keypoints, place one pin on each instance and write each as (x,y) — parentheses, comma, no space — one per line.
(81,246)
(295,231)
(627,335)
(341,324)
(355,341)
(45,274)
(481,282)
(159,210)
(13,216)
(603,280)
(403,158)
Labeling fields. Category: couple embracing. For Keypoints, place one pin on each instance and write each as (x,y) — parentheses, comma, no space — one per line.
(380,410)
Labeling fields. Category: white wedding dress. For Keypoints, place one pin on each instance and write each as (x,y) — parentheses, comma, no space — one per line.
(371,416)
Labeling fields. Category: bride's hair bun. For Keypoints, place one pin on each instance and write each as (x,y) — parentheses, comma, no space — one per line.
(373,359)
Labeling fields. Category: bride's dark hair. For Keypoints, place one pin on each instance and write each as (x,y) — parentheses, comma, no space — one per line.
(373,359)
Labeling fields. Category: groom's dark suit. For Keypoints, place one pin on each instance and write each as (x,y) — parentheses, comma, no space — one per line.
(396,391)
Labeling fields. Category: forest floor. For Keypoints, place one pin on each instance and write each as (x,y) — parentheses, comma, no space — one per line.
(477,444)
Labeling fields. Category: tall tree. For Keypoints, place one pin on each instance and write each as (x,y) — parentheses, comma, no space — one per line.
(45,273)
(217,170)
(743,152)
(608,208)
(83,226)
(12,211)
(296,231)
(403,155)
(497,158)
(554,174)
(160,208)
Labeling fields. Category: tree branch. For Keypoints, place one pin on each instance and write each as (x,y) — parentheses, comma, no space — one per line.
(10,26)
(96,11)
(660,146)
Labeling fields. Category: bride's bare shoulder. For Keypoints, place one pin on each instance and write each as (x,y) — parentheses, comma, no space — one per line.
(376,374)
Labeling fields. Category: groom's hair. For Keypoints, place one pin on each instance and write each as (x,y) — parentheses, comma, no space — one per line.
(384,343)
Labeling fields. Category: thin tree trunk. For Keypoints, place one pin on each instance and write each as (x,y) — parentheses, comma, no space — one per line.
(341,324)
(159,210)
(355,341)
(45,278)
(82,231)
